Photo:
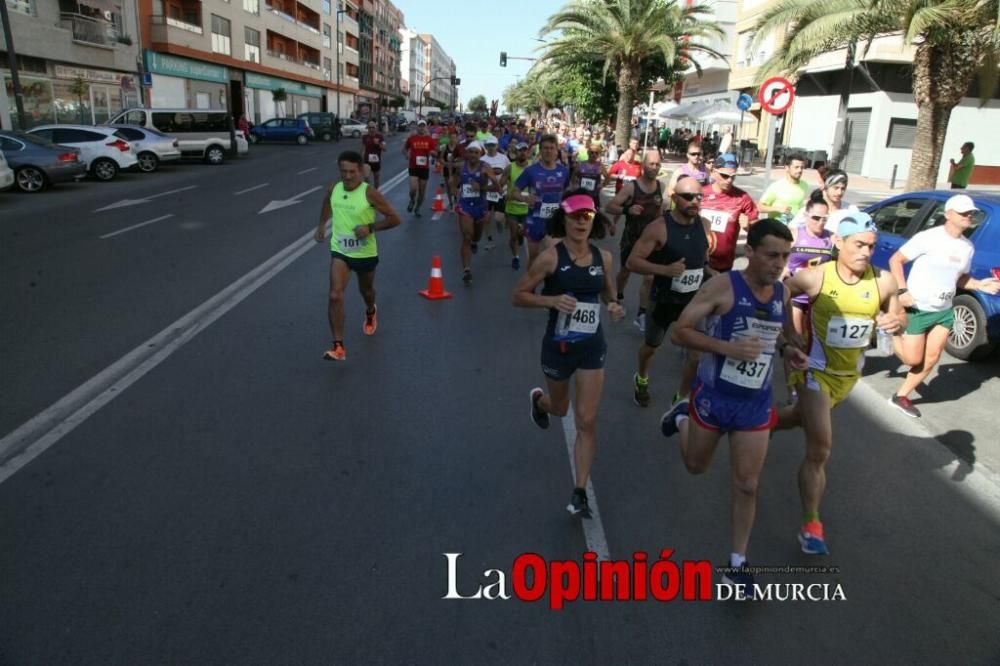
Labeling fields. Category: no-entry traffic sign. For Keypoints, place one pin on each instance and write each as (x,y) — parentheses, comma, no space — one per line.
(776,95)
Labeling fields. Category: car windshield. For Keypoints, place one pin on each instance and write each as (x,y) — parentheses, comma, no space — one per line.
(30,138)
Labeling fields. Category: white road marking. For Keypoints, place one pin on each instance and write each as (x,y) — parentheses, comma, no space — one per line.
(132,202)
(282,203)
(37,435)
(593,528)
(251,189)
(307,170)
(136,226)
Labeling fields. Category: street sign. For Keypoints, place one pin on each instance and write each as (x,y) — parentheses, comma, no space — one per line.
(147,79)
(776,95)
(744,102)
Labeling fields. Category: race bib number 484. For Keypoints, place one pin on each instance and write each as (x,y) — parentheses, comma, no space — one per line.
(687,281)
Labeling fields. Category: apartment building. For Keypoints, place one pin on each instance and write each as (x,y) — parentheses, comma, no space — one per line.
(242,54)
(379,23)
(77,60)
(713,83)
(439,70)
(412,65)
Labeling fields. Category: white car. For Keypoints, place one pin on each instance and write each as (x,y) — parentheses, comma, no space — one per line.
(353,128)
(105,150)
(6,173)
(151,147)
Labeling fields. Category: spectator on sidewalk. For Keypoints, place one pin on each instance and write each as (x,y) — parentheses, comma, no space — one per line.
(726,142)
(961,171)
(783,199)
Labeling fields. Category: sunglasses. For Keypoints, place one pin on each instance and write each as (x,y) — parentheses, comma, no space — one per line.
(819,218)
(695,154)
(690,196)
(726,176)
(968,213)
(587,215)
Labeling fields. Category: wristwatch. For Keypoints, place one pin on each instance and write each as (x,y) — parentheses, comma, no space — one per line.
(900,292)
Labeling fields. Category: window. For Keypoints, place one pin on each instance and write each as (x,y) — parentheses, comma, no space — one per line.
(895,218)
(134,118)
(172,123)
(221,35)
(130,134)
(326,36)
(66,135)
(10,145)
(24,6)
(251,45)
(327,69)
(252,6)
(902,132)
(326,7)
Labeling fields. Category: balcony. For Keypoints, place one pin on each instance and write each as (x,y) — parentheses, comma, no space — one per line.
(90,31)
(176,23)
(307,19)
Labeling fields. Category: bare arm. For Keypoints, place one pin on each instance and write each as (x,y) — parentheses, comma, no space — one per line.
(715,297)
(653,237)
(390,217)
(617,205)
(893,318)
(524,292)
(325,214)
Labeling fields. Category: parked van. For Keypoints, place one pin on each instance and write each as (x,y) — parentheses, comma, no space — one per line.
(201,133)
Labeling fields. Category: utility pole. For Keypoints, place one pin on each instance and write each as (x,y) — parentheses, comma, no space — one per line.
(15,79)
(337,44)
(840,131)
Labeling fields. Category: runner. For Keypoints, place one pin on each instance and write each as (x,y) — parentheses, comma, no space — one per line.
(694,167)
(845,297)
(516,211)
(642,202)
(942,259)
(451,161)
(741,314)
(784,198)
(577,276)
(813,245)
(544,182)
(495,200)
(471,182)
(418,149)
(674,250)
(591,175)
(626,169)
(729,210)
(351,205)
(373,144)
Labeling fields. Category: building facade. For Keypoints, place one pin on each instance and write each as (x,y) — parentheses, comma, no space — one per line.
(78,61)
(379,23)
(412,65)
(439,71)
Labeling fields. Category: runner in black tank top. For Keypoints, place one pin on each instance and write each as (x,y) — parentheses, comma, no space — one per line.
(577,277)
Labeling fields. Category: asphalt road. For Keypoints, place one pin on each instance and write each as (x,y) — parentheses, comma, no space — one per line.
(241,501)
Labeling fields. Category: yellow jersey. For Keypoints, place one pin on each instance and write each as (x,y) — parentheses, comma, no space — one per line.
(842,321)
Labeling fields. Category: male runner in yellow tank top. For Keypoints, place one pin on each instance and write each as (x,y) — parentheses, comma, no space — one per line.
(848,299)
(351,204)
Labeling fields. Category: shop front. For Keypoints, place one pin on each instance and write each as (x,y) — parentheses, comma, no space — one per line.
(183,83)
(299,97)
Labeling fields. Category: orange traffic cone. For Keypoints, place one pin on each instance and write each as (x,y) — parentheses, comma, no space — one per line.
(435,285)
(438,206)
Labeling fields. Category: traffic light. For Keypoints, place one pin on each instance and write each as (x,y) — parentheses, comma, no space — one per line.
(456,81)
(503,58)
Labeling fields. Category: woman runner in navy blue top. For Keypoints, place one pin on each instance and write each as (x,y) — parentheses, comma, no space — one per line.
(577,277)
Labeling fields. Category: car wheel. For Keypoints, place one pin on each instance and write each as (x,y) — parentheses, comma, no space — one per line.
(356,134)
(104,169)
(30,179)
(302,139)
(968,340)
(215,155)
(148,162)
(327,136)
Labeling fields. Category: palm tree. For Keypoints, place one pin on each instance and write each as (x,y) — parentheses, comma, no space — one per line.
(623,34)
(955,40)
(533,93)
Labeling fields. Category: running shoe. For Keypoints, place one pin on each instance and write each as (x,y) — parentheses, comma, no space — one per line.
(903,404)
(668,422)
(811,539)
(474,247)
(578,505)
(515,263)
(416,212)
(488,245)
(641,393)
(539,416)
(337,353)
(409,206)
(371,321)
(467,276)
(741,577)
(640,322)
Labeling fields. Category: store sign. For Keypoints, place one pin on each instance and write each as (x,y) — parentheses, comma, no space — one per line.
(291,87)
(97,75)
(169,65)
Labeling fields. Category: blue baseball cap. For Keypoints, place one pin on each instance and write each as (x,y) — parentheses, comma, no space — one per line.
(726,161)
(855,222)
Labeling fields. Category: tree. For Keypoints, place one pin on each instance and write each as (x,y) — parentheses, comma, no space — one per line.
(477,103)
(956,41)
(627,35)
(79,87)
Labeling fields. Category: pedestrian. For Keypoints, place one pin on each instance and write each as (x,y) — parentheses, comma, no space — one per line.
(244,125)
(783,198)
(577,277)
(961,171)
(942,258)
(373,143)
(727,141)
(351,206)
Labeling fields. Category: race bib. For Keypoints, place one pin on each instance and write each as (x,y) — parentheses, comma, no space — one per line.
(746,374)
(718,218)
(942,299)
(849,332)
(350,243)
(547,210)
(493,196)
(687,281)
(470,191)
(373,158)
(588,184)
(421,160)
(583,322)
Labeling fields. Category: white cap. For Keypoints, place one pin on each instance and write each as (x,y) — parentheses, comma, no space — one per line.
(421,122)
(491,139)
(475,145)
(960,203)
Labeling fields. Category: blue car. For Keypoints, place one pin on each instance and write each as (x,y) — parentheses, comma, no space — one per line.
(283,129)
(977,315)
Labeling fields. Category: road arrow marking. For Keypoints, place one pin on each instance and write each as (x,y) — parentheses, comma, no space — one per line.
(124,203)
(282,203)
(136,226)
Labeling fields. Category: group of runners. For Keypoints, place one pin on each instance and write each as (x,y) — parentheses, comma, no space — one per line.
(808,301)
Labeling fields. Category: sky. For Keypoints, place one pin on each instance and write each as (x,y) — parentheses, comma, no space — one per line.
(510,25)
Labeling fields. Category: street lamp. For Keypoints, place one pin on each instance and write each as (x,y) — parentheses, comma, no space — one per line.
(339,12)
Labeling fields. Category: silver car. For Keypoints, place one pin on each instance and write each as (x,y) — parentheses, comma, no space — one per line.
(151,147)
(38,163)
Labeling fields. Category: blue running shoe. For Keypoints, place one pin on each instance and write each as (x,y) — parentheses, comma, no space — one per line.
(811,539)
(742,577)
(668,423)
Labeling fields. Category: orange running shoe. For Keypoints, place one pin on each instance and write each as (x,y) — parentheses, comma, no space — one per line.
(338,353)
(371,322)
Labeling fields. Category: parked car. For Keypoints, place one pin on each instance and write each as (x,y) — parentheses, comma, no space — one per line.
(151,147)
(283,129)
(322,124)
(6,173)
(105,150)
(200,133)
(353,128)
(977,316)
(37,163)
